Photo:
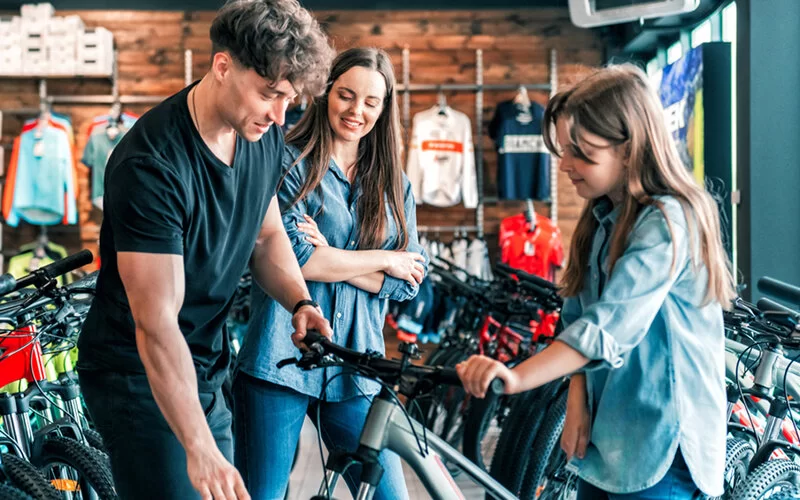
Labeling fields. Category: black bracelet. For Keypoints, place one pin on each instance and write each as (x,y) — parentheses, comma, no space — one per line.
(304,302)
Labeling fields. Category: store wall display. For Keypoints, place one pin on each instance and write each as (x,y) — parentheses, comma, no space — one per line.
(151,44)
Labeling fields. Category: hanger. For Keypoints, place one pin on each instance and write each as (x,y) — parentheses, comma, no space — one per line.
(530,215)
(44,118)
(114,115)
(441,102)
(522,98)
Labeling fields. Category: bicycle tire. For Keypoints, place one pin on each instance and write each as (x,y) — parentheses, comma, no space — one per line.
(95,440)
(559,483)
(8,492)
(770,478)
(439,357)
(89,464)
(519,405)
(522,432)
(738,454)
(544,446)
(480,416)
(26,477)
(520,454)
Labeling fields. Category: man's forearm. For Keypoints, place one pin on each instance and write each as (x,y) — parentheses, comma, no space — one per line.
(333,265)
(275,269)
(173,381)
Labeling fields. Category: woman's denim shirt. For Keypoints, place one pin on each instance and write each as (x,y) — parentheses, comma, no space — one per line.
(356,316)
(656,376)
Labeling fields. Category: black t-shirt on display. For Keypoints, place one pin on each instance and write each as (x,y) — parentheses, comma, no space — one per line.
(166,192)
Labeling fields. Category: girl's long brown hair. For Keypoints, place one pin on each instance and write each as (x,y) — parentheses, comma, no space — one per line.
(378,164)
(617,104)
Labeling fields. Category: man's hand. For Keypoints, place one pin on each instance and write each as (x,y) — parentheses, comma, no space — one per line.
(213,476)
(309,318)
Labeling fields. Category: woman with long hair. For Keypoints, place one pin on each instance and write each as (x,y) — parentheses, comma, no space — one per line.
(646,283)
(350,215)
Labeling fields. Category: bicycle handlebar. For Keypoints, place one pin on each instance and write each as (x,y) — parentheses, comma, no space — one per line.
(46,273)
(779,290)
(547,286)
(391,369)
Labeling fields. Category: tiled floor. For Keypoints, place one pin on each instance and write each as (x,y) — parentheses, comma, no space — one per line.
(307,475)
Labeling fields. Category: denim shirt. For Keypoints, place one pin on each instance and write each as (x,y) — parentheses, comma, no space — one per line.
(356,316)
(656,376)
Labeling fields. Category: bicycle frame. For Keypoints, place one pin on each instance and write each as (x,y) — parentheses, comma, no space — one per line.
(387,427)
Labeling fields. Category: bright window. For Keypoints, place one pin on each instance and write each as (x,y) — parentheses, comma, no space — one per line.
(729,23)
(701,34)
(674,52)
(652,66)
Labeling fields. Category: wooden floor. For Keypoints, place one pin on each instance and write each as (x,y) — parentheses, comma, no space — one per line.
(307,475)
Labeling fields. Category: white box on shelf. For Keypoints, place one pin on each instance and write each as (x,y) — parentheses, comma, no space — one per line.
(33,33)
(41,11)
(34,63)
(70,25)
(9,25)
(95,52)
(62,41)
(62,67)
(9,41)
(10,66)
(94,67)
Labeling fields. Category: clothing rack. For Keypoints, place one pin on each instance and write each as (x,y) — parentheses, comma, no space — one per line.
(449,229)
(479,88)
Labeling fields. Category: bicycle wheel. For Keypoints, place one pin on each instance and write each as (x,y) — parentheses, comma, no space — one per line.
(95,440)
(482,430)
(75,469)
(558,483)
(522,432)
(8,492)
(773,479)
(24,475)
(521,452)
(738,454)
(545,447)
(520,404)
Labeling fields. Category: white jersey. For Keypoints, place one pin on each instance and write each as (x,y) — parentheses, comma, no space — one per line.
(441,159)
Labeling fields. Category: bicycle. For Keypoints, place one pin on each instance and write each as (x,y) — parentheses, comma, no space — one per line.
(388,425)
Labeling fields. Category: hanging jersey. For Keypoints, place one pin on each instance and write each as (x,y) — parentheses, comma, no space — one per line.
(539,251)
(95,156)
(441,159)
(523,162)
(478,263)
(40,185)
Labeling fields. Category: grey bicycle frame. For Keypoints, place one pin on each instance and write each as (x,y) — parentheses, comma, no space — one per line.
(735,349)
(387,427)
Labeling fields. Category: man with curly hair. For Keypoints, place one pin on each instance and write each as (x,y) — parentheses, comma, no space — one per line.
(189,203)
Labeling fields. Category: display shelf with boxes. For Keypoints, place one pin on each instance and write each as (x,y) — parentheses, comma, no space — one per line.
(40,44)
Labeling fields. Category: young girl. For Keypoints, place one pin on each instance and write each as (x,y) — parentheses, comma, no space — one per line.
(350,215)
(644,287)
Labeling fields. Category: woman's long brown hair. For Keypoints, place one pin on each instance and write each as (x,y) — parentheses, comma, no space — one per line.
(378,165)
(617,104)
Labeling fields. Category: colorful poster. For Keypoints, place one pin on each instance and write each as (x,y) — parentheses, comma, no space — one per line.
(681,92)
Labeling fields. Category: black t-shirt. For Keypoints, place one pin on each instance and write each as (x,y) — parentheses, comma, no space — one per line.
(166,192)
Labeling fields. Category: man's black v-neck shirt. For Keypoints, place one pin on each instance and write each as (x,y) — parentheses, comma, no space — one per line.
(166,193)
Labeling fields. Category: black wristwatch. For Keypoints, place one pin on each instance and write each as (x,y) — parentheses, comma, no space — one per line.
(304,302)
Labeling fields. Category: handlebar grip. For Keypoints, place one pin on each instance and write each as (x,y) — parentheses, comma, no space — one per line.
(767,305)
(7,284)
(524,276)
(56,269)
(312,337)
(779,290)
(496,388)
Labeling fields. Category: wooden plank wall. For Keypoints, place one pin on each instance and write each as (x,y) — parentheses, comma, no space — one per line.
(515,43)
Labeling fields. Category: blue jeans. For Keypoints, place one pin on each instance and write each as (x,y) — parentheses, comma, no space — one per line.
(676,485)
(268,421)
